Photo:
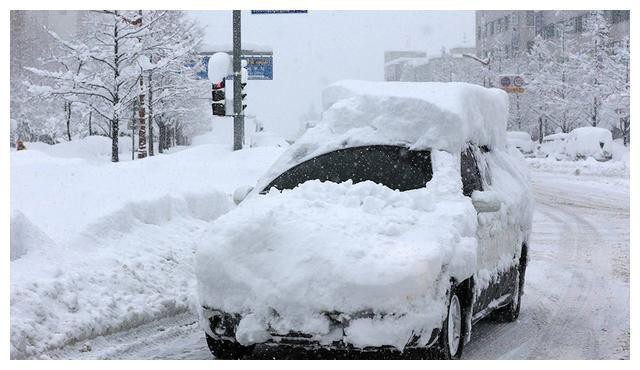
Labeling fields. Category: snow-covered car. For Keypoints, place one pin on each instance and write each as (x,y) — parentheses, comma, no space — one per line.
(553,146)
(388,229)
(522,141)
(594,142)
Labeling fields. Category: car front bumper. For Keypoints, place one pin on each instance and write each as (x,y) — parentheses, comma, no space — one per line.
(221,326)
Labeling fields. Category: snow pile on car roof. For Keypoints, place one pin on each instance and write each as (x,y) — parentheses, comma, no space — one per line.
(419,115)
(284,259)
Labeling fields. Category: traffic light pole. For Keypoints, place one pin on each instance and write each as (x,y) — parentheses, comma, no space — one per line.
(238,117)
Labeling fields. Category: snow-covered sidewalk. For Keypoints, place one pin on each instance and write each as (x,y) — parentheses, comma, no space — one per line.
(98,247)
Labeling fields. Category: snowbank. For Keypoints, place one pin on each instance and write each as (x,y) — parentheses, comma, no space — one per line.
(341,247)
(265,138)
(97,247)
(589,167)
(415,114)
(91,148)
(26,237)
(521,140)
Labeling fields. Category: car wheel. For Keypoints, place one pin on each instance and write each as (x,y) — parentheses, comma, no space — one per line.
(452,334)
(226,349)
(510,312)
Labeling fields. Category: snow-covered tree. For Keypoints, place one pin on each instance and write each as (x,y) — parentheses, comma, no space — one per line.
(599,71)
(554,93)
(172,87)
(109,82)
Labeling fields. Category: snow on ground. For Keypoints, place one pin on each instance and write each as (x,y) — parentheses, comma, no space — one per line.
(97,247)
(589,166)
(100,261)
(576,296)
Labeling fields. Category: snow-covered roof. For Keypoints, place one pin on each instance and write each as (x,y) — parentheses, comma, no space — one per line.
(558,136)
(413,61)
(224,47)
(518,135)
(418,115)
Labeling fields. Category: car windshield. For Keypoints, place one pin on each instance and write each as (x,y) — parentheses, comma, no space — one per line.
(395,167)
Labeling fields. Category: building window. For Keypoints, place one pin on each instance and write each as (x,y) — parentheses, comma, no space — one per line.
(579,24)
(491,28)
(506,23)
(515,19)
(478,33)
(549,31)
(499,25)
(530,18)
(618,16)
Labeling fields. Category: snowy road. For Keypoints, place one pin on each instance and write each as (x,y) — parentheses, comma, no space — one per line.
(576,302)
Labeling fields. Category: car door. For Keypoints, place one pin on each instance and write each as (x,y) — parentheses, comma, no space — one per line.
(494,243)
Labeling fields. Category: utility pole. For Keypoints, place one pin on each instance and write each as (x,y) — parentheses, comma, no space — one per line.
(238,117)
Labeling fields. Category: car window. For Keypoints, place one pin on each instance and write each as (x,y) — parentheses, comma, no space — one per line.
(471,179)
(396,167)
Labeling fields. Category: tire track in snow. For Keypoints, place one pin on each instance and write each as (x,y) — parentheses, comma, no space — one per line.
(571,281)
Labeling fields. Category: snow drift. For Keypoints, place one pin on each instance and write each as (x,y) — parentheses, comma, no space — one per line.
(98,247)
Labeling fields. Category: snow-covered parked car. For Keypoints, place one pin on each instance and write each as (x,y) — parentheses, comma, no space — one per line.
(390,228)
(553,146)
(594,142)
(522,141)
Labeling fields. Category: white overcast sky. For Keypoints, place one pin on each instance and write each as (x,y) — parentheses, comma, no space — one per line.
(315,49)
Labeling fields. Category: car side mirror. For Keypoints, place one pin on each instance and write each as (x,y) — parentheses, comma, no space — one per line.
(241,193)
(485,201)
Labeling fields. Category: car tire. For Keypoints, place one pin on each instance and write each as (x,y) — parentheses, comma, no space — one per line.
(451,341)
(227,349)
(511,311)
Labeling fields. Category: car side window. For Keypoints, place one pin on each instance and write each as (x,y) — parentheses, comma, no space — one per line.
(470,173)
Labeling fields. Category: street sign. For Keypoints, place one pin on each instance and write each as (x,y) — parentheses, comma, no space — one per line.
(259,66)
(512,84)
(272,11)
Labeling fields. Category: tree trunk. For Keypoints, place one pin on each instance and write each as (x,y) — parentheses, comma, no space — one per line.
(114,140)
(150,117)
(540,134)
(67,109)
(90,133)
(116,97)
(594,116)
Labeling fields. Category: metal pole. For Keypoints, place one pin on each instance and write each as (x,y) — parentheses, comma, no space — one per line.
(238,118)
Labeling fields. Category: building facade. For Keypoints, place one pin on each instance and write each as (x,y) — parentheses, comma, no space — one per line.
(403,65)
(508,33)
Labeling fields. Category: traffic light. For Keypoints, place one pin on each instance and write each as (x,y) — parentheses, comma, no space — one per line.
(217,95)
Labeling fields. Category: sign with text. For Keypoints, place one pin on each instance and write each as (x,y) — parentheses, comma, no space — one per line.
(272,11)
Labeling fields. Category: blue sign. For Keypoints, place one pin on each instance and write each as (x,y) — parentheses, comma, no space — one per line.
(259,67)
(278,11)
